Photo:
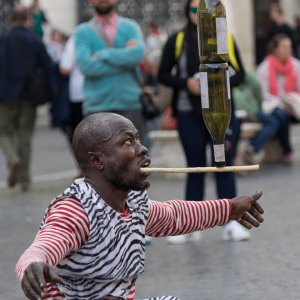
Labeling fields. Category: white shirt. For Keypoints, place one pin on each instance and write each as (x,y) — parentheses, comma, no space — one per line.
(68,62)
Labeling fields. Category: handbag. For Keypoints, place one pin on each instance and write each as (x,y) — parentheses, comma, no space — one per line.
(149,109)
(293,102)
(38,88)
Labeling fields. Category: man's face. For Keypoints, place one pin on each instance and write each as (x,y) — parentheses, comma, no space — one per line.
(124,155)
(103,7)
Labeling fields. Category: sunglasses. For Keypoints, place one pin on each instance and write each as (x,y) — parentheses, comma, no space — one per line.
(193,9)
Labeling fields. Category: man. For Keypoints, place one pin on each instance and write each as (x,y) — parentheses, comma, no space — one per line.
(109,50)
(21,51)
(94,232)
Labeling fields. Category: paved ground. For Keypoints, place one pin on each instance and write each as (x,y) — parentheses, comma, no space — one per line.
(266,267)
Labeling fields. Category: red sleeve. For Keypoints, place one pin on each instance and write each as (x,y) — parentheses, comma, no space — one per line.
(65,230)
(176,217)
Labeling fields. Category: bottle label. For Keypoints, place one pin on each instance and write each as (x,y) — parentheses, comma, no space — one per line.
(204,89)
(219,152)
(221,32)
(199,44)
(228,84)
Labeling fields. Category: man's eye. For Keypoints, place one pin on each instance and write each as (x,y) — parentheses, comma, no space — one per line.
(128,141)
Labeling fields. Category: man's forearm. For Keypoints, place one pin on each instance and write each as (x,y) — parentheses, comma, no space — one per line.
(180,217)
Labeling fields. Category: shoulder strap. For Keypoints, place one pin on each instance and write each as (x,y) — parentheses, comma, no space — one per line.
(178,44)
(93,24)
(231,52)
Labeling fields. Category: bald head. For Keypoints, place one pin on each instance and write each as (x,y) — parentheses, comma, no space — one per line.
(93,131)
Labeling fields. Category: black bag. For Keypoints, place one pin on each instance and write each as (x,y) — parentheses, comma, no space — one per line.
(149,109)
(38,88)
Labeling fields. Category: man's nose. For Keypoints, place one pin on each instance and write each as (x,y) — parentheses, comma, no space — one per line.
(141,149)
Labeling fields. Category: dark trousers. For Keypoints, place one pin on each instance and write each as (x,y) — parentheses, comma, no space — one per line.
(75,118)
(284,120)
(194,138)
(17,120)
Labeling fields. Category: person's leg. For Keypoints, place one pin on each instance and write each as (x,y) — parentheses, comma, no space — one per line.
(75,118)
(8,112)
(26,122)
(226,186)
(8,117)
(193,136)
(236,128)
(283,133)
(77,115)
(270,128)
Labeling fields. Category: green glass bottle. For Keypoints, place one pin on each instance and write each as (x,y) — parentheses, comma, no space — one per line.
(216,105)
(212,32)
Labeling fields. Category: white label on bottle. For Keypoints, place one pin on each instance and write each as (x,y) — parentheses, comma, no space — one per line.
(221,31)
(219,152)
(228,84)
(199,44)
(204,89)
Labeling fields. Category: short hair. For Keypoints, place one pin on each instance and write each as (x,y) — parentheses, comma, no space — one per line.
(275,41)
(20,14)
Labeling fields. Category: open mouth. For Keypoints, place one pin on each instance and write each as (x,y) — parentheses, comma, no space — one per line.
(145,165)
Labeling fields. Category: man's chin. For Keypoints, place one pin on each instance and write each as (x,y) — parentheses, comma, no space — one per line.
(140,187)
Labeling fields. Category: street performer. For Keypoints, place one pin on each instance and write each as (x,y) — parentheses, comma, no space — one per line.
(90,244)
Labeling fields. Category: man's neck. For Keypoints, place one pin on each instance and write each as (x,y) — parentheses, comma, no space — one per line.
(113,197)
(106,17)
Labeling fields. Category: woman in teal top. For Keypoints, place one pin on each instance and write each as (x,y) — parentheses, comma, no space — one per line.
(38,17)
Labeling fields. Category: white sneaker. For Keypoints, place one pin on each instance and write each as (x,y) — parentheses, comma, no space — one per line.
(235,232)
(177,239)
(195,236)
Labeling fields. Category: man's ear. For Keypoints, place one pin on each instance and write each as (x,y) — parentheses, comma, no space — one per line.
(95,160)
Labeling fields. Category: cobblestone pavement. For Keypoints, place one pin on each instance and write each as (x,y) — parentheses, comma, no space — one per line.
(265,267)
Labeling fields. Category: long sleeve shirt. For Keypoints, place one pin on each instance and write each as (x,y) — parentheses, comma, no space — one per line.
(67,229)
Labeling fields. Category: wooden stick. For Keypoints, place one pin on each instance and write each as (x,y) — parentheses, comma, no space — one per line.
(201,169)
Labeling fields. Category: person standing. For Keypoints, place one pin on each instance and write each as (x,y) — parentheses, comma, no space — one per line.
(279,25)
(68,67)
(186,103)
(39,18)
(109,50)
(21,51)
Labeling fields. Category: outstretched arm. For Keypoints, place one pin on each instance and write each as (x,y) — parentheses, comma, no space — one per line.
(66,229)
(177,217)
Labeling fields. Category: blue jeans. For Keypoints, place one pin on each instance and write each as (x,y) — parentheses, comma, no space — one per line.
(194,138)
(270,127)
(274,124)
(284,133)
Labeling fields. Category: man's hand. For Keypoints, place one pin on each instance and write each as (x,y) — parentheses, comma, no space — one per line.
(247,211)
(36,276)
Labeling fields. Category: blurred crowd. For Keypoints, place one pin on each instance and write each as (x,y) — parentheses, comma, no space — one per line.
(109,65)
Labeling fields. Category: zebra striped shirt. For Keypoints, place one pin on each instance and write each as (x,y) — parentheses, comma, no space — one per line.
(71,238)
